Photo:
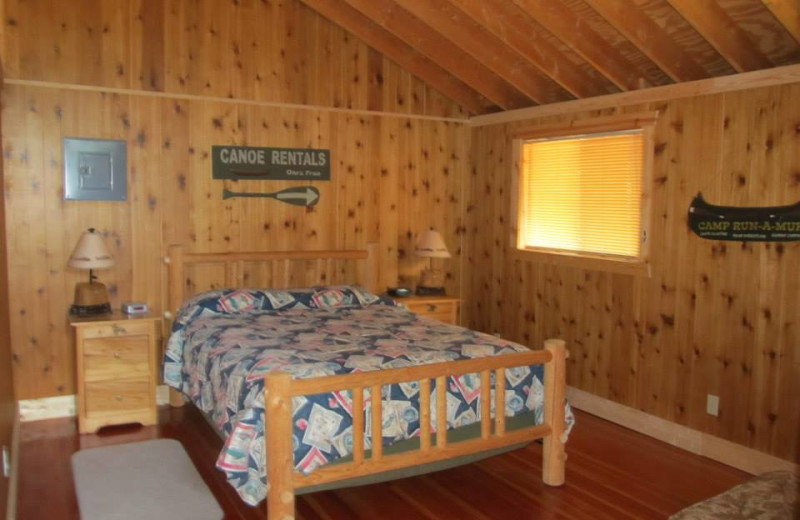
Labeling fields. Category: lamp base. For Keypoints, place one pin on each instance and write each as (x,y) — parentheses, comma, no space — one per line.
(423,290)
(431,278)
(90,310)
(431,283)
(91,298)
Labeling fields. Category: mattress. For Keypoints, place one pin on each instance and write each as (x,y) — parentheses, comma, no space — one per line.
(223,343)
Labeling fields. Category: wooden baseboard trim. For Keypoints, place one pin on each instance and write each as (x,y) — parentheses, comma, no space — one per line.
(66,406)
(715,448)
(162,395)
(47,408)
(13,481)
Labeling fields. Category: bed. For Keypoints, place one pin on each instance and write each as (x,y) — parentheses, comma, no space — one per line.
(309,427)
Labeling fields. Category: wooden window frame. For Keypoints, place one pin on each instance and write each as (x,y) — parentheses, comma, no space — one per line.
(640,266)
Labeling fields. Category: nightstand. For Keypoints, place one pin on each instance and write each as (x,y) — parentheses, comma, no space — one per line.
(116,362)
(442,308)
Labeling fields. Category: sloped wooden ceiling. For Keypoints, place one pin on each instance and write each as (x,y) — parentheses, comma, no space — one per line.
(493,55)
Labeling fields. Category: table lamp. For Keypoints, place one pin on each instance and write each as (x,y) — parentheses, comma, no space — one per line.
(91,253)
(431,245)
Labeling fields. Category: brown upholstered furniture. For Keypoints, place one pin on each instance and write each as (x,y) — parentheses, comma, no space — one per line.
(771,496)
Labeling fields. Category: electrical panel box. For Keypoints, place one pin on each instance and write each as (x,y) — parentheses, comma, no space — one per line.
(95,169)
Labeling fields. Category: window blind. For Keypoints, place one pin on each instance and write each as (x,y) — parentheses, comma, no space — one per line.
(583,193)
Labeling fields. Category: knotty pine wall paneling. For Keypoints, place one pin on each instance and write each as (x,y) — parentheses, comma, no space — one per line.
(714,318)
(280,52)
(391,178)
(271,74)
(8,401)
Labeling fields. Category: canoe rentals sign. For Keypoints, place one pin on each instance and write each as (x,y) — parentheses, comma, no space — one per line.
(766,224)
(300,196)
(283,164)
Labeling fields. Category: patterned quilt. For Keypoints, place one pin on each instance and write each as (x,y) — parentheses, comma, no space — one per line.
(223,342)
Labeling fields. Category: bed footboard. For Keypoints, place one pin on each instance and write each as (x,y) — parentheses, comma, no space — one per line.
(280,388)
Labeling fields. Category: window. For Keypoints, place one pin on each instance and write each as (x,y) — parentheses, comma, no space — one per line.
(581,191)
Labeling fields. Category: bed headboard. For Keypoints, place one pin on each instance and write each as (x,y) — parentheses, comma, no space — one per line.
(190,273)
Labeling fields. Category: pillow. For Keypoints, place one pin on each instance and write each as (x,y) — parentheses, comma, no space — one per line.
(230,301)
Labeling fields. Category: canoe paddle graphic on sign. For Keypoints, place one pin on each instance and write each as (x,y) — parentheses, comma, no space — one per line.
(300,196)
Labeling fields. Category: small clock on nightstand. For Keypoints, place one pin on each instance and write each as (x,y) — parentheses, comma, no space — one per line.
(116,362)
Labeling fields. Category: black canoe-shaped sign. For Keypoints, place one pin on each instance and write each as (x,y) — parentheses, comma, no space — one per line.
(300,196)
(765,224)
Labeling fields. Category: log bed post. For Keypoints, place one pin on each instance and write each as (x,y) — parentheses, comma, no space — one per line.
(175,277)
(369,273)
(278,433)
(555,388)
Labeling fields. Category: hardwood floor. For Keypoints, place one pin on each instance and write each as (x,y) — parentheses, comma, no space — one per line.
(612,473)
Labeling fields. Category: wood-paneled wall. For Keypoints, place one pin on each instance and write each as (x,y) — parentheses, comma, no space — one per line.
(278,51)
(714,318)
(7,402)
(391,178)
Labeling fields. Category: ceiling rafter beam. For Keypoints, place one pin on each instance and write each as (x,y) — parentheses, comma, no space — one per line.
(414,32)
(398,51)
(788,14)
(722,32)
(565,25)
(786,75)
(468,35)
(503,20)
(649,38)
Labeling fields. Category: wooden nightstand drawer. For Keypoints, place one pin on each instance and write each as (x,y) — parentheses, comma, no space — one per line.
(117,396)
(446,317)
(434,309)
(106,330)
(115,358)
(116,362)
(441,308)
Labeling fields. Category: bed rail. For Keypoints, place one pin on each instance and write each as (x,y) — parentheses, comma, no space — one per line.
(280,388)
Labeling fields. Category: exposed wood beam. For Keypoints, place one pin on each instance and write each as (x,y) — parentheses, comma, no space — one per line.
(463,31)
(507,23)
(788,13)
(395,49)
(157,94)
(440,50)
(703,87)
(722,32)
(649,38)
(565,25)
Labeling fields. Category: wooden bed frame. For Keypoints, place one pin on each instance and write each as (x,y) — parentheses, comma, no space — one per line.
(280,388)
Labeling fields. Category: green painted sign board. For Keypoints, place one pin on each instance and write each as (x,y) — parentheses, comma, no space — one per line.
(278,164)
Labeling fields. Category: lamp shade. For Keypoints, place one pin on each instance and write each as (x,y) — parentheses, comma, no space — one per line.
(91,252)
(431,245)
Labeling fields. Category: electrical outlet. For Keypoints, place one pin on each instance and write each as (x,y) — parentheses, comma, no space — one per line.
(6,463)
(712,405)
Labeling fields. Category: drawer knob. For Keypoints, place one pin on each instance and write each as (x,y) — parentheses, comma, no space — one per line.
(116,355)
(118,397)
(431,307)
(118,330)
